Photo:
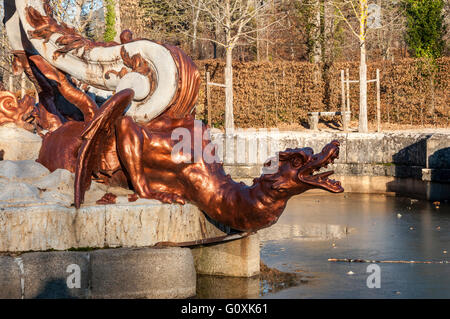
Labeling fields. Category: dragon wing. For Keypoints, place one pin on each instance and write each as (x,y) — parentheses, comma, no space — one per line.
(99,130)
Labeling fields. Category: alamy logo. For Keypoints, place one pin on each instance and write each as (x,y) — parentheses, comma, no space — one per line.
(374,280)
(74,279)
(248,146)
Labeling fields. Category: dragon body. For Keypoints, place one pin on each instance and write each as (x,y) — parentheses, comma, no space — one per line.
(128,140)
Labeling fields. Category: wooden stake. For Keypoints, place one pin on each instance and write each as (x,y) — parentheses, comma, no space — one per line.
(343,106)
(378,101)
(208,97)
(348,90)
(276,104)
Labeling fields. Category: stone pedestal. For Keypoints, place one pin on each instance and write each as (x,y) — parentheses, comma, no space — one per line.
(238,258)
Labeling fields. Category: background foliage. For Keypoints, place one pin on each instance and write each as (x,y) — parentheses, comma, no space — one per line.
(271,94)
(426,29)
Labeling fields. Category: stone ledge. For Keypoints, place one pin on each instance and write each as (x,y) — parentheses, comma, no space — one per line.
(36,215)
(401,148)
(402,186)
(110,273)
(45,227)
(45,274)
(348,169)
(436,175)
(438,152)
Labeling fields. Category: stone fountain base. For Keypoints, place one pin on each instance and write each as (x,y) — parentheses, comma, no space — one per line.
(108,273)
(125,250)
(36,214)
(145,272)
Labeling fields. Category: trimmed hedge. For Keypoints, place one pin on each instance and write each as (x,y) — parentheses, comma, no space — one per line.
(267,94)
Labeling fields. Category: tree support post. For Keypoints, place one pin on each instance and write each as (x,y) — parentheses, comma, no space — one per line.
(343,105)
(208,97)
(378,101)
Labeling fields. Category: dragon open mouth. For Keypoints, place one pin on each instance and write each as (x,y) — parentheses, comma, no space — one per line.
(321,180)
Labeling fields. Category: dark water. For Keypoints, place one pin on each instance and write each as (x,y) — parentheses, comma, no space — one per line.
(356,226)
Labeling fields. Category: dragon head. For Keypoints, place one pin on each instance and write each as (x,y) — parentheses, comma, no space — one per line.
(296,170)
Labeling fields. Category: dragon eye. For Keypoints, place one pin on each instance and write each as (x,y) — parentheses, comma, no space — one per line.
(297,162)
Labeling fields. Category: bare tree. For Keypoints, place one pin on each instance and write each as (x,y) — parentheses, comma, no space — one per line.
(390,34)
(317,47)
(7,78)
(349,11)
(355,15)
(76,13)
(117,24)
(235,20)
(195,21)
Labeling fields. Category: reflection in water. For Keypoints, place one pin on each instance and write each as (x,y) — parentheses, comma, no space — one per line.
(269,281)
(383,228)
(218,287)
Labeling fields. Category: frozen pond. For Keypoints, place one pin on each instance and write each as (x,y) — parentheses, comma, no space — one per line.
(369,227)
(315,228)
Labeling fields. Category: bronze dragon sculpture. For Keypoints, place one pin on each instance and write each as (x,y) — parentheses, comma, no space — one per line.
(109,146)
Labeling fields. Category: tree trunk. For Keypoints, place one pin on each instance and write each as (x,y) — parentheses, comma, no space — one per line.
(77,16)
(195,17)
(229,116)
(328,21)
(363,70)
(363,91)
(317,47)
(258,31)
(291,42)
(258,55)
(217,38)
(117,24)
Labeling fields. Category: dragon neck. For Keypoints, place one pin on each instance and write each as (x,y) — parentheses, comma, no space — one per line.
(242,207)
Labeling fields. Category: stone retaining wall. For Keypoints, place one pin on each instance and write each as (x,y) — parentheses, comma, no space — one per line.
(421,157)
(109,273)
(424,156)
